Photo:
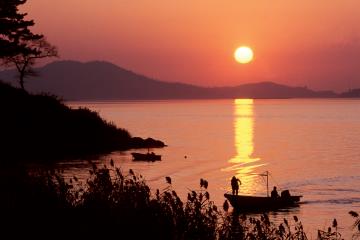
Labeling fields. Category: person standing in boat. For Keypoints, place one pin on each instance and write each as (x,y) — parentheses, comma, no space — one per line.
(274,193)
(235,182)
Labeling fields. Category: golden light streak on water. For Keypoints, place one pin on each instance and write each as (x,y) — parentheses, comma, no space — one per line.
(244,164)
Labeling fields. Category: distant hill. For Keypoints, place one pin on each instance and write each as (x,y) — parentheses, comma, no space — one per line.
(97,80)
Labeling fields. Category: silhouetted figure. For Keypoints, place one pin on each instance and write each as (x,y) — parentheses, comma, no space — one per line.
(235,185)
(285,194)
(274,193)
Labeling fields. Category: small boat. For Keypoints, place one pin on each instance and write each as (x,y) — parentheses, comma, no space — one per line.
(257,203)
(146,156)
(243,203)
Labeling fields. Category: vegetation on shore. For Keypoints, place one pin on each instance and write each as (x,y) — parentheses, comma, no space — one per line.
(42,127)
(119,204)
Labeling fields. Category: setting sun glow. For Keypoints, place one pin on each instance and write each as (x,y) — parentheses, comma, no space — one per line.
(243,55)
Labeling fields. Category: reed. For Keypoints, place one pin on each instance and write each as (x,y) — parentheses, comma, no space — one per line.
(115,202)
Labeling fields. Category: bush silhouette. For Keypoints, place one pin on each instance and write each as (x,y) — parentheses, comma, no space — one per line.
(42,127)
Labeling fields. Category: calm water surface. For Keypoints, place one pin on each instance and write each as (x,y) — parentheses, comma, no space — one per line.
(309,146)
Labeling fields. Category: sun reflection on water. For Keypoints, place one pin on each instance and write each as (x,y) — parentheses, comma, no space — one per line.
(244,164)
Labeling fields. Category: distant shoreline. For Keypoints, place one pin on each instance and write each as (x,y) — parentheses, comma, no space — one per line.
(99,101)
(99,80)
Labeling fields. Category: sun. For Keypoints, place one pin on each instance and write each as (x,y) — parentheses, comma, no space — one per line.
(243,55)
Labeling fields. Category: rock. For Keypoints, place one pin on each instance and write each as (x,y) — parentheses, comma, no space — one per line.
(138,142)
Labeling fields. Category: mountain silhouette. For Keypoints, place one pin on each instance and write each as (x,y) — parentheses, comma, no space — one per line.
(99,80)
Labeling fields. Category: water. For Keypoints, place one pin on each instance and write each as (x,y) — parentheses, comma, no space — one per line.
(309,146)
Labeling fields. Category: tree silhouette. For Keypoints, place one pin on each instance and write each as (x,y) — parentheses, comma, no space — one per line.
(19,47)
(25,60)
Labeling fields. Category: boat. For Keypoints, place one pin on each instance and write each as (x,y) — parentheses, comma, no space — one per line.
(244,203)
(146,156)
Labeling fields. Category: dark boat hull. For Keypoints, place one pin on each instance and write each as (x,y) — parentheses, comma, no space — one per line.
(145,157)
(254,203)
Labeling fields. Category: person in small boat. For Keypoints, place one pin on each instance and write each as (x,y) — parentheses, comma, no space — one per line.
(235,182)
(274,193)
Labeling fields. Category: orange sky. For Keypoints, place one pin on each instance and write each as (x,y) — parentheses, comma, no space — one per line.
(296,42)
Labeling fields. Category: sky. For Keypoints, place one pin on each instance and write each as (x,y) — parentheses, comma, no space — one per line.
(298,42)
